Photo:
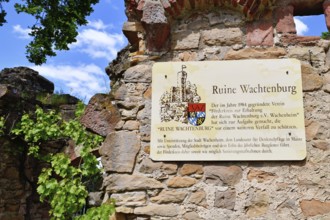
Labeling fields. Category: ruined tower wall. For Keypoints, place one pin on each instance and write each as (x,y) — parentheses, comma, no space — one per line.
(205,30)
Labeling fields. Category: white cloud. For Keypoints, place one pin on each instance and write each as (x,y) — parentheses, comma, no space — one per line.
(99,25)
(96,42)
(23,33)
(82,81)
(301,27)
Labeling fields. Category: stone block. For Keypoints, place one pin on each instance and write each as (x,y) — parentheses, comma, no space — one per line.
(191,216)
(130,199)
(198,198)
(169,168)
(311,130)
(313,55)
(131,125)
(181,182)
(158,210)
(188,169)
(260,175)
(169,196)
(284,20)
(130,30)
(119,151)
(100,115)
(312,82)
(222,37)
(226,199)
(148,166)
(321,144)
(326,11)
(138,74)
(258,203)
(222,175)
(156,25)
(185,40)
(120,183)
(293,39)
(314,207)
(260,33)
(255,53)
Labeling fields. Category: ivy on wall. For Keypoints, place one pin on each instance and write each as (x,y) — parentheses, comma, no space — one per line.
(60,183)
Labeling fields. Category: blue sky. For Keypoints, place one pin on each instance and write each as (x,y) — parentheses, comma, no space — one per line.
(80,71)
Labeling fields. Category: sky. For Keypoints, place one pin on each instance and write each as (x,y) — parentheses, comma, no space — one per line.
(81,70)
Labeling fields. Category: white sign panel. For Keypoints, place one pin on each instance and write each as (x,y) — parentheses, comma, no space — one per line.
(227,111)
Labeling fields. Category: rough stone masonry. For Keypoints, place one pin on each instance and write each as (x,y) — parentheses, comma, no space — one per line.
(199,30)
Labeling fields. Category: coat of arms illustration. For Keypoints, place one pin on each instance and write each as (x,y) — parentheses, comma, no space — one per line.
(181,103)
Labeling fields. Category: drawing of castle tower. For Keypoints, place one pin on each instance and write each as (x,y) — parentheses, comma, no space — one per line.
(181,83)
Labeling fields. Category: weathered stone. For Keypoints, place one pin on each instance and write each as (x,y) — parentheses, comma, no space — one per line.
(26,81)
(125,210)
(188,56)
(307,69)
(326,88)
(192,216)
(226,199)
(326,11)
(158,210)
(300,40)
(130,198)
(148,166)
(260,33)
(185,40)
(260,175)
(119,91)
(314,207)
(181,182)
(198,198)
(259,204)
(221,37)
(139,73)
(125,182)
(313,55)
(198,24)
(311,82)
(131,125)
(95,198)
(130,30)
(119,151)
(169,196)
(135,92)
(231,18)
(147,93)
(321,144)
(284,20)
(100,115)
(156,25)
(222,175)
(169,168)
(311,130)
(129,114)
(255,53)
(188,169)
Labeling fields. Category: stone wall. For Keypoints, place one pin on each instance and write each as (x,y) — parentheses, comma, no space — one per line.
(21,89)
(182,30)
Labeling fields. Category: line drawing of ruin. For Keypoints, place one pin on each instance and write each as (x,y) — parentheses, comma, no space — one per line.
(174,103)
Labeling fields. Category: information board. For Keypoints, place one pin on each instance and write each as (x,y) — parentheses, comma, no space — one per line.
(227,111)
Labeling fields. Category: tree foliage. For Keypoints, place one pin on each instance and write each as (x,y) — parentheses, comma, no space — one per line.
(60,183)
(56,24)
(2,125)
